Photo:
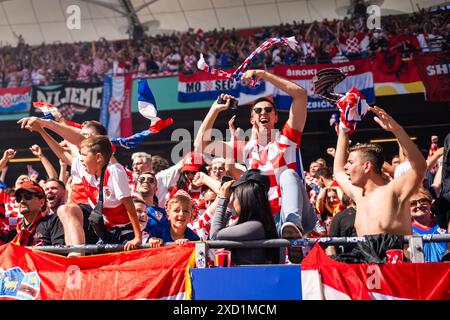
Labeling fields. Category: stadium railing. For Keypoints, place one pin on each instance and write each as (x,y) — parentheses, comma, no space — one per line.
(201,247)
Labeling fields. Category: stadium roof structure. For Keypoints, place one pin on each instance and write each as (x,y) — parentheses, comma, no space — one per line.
(41,21)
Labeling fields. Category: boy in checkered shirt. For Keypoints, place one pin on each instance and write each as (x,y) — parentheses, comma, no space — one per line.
(275,153)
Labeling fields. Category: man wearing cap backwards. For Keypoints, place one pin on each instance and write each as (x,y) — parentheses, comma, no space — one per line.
(35,229)
(191,164)
(275,153)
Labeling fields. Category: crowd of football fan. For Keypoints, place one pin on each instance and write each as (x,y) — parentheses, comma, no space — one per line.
(320,42)
(155,202)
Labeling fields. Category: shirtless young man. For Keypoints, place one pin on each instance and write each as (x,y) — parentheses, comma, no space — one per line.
(382,207)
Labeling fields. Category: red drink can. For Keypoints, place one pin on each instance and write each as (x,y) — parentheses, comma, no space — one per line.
(394,256)
(223,258)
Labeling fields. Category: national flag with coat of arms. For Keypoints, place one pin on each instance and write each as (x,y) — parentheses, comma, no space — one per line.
(154,273)
(14,100)
(115,110)
(147,107)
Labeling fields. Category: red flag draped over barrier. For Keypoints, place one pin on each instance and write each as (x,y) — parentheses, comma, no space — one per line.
(434,70)
(140,274)
(325,278)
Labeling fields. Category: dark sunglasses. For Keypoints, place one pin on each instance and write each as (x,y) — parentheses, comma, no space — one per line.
(421,201)
(258,110)
(190,172)
(26,195)
(146,179)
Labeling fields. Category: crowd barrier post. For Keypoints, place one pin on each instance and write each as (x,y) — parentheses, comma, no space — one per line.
(416,248)
(201,252)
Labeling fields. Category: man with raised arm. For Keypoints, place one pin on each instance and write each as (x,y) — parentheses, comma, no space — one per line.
(275,153)
(383,207)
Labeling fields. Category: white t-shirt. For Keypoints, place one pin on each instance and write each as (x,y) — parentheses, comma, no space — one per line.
(401,169)
(166,179)
(115,188)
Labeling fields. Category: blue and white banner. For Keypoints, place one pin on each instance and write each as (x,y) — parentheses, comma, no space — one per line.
(14,100)
(359,75)
(203,86)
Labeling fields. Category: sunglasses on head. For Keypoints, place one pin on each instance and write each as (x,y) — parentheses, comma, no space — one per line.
(25,195)
(258,110)
(421,201)
(146,179)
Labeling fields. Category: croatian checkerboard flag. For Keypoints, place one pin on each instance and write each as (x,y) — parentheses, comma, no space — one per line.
(147,107)
(46,109)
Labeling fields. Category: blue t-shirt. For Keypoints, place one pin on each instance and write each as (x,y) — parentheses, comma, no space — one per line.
(163,232)
(156,216)
(433,251)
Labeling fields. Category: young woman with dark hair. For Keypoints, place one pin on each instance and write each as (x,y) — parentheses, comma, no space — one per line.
(248,197)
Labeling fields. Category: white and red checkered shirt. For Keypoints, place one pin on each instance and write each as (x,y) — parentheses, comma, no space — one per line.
(190,62)
(12,215)
(99,66)
(352,45)
(308,49)
(272,159)
(202,224)
(84,72)
(314,185)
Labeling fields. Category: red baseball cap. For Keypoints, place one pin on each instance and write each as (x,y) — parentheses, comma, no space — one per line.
(30,186)
(192,161)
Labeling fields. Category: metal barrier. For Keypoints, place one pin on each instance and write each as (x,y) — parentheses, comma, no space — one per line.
(415,244)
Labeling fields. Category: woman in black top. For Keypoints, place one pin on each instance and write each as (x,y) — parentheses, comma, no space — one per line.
(248,197)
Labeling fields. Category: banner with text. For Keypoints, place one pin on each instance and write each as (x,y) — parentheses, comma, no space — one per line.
(359,75)
(76,101)
(202,86)
(159,273)
(434,70)
(14,100)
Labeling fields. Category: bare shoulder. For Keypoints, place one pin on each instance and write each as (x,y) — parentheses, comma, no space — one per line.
(385,193)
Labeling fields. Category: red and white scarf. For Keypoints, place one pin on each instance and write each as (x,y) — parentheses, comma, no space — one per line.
(25,232)
(201,64)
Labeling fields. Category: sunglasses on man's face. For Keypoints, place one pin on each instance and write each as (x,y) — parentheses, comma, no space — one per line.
(149,180)
(258,110)
(26,195)
(420,202)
